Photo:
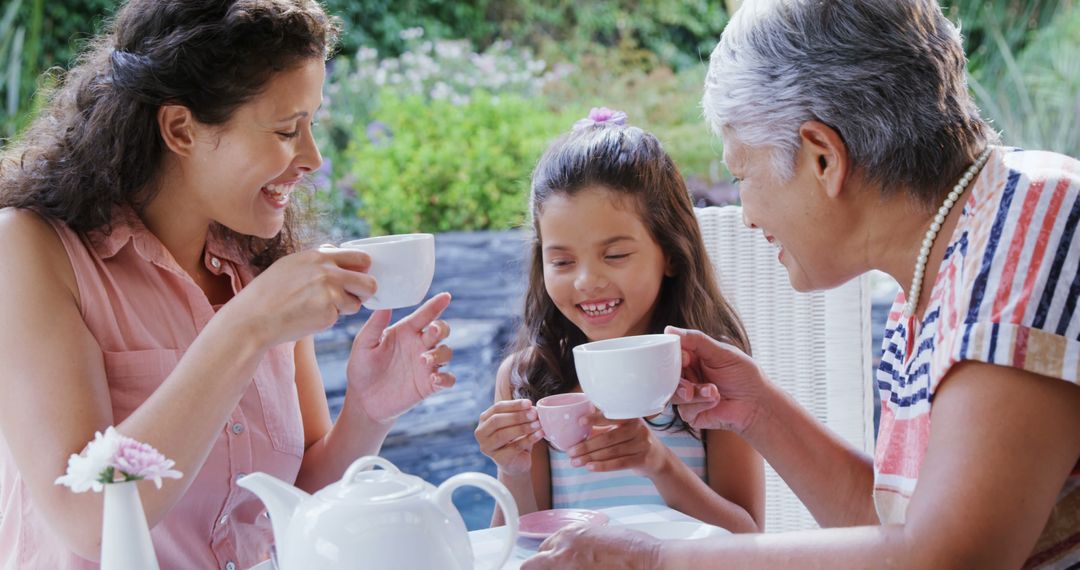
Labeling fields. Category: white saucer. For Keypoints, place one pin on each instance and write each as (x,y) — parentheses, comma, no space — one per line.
(670,530)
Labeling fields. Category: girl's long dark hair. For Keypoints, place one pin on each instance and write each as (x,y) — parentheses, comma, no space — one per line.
(97,146)
(633,164)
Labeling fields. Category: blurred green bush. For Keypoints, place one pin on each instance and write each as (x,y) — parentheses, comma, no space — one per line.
(435,166)
(1032,93)
(549,61)
(34,36)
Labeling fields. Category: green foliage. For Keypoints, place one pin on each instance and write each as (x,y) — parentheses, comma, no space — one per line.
(661,101)
(41,35)
(12,41)
(990,27)
(1033,96)
(446,71)
(379,24)
(443,167)
(676,33)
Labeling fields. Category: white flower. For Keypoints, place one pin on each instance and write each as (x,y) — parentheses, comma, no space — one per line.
(411,34)
(84,470)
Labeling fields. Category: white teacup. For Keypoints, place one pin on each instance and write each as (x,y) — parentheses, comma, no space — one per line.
(630,377)
(402,266)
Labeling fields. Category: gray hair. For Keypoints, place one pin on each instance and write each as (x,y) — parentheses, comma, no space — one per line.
(888,75)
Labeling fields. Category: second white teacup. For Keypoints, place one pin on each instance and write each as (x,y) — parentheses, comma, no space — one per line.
(402,265)
(630,377)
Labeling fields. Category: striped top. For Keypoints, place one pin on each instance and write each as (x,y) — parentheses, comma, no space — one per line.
(1006,294)
(577,487)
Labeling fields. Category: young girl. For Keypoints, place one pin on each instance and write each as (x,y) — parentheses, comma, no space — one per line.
(152,282)
(617,252)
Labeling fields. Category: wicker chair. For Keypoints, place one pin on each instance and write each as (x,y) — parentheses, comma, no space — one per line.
(816,346)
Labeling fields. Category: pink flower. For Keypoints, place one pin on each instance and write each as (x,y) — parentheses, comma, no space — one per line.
(137,460)
(601,115)
(112,458)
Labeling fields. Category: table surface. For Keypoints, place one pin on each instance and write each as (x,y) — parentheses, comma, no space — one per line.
(488,543)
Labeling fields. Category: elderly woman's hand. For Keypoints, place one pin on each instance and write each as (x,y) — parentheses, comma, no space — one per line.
(392,369)
(594,547)
(722,387)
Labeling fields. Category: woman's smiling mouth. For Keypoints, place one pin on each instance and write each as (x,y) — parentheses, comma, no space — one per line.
(279,193)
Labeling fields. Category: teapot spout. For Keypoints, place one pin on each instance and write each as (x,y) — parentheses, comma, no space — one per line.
(280,498)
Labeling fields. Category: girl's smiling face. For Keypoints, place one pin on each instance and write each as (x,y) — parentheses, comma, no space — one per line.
(602,268)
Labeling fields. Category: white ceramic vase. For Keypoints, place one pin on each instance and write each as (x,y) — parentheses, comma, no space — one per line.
(125,536)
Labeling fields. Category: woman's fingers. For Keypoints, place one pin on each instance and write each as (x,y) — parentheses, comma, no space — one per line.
(438,356)
(435,333)
(360,286)
(694,393)
(347,258)
(690,412)
(427,313)
(443,380)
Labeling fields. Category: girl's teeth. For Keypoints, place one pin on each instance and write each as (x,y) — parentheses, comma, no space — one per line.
(600,309)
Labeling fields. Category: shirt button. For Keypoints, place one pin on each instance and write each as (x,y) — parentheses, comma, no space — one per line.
(238,428)
(217,265)
(230,565)
(224,519)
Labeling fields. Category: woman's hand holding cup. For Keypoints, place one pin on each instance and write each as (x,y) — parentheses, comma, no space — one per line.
(722,387)
(301,294)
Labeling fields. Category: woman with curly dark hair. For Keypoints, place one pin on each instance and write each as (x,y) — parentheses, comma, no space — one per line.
(155,282)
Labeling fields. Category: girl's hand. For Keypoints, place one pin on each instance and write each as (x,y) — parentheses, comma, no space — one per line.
(722,387)
(507,432)
(301,294)
(392,369)
(620,444)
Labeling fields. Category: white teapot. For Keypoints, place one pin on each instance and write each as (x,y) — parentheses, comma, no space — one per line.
(375,519)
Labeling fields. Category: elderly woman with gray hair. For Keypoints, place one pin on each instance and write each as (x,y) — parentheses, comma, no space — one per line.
(857,146)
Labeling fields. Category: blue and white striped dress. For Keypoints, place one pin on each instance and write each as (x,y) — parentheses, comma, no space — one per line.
(577,487)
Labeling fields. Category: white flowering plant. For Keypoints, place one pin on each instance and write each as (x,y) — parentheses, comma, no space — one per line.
(114,458)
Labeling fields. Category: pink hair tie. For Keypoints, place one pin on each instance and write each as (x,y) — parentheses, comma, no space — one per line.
(601,115)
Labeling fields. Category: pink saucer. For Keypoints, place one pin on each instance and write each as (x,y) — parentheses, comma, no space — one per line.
(542,524)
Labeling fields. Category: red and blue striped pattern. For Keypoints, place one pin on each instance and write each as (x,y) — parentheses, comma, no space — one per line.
(1006,293)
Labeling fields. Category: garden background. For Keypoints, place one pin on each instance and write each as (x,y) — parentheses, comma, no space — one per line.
(435,112)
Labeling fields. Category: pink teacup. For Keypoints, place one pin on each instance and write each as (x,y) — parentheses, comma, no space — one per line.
(559,415)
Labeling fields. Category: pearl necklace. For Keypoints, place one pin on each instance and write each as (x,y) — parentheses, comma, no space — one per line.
(928,242)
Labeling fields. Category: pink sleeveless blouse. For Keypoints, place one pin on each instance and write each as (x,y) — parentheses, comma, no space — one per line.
(145,311)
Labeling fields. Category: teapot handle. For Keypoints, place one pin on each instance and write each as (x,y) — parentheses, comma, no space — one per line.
(367,462)
(494,488)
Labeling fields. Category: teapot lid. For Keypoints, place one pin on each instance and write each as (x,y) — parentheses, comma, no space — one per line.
(363,484)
